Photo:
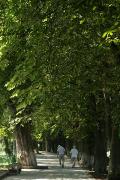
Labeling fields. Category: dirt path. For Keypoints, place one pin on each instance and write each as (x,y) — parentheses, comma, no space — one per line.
(54,171)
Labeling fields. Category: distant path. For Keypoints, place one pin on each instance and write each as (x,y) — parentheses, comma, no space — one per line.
(54,171)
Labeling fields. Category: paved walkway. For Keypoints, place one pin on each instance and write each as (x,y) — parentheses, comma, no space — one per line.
(54,171)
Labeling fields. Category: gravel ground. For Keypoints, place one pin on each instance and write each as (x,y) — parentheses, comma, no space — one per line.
(54,171)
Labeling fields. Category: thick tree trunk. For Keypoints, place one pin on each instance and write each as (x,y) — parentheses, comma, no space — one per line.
(114,166)
(100,156)
(24,146)
(100,152)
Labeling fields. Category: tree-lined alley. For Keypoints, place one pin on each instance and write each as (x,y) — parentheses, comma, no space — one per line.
(59,78)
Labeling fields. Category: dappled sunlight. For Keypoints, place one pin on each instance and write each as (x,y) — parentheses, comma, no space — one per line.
(54,171)
(63,174)
(51,160)
(50,179)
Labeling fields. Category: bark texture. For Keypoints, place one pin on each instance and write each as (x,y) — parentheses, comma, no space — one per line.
(24,146)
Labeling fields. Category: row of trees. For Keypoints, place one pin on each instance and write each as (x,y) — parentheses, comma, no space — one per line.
(59,76)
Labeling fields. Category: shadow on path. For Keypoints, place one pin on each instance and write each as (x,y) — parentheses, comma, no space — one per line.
(54,171)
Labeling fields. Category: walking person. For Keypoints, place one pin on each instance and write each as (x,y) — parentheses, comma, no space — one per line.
(60,155)
(74,155)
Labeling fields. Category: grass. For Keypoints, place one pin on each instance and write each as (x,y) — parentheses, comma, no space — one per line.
(4,160)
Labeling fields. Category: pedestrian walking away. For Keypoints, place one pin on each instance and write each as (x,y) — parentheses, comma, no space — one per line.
(60,155)
(74,155)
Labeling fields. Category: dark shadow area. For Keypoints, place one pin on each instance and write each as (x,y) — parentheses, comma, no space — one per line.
(100,176)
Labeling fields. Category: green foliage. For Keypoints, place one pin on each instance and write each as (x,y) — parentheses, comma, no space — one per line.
(2,132)
(54,57)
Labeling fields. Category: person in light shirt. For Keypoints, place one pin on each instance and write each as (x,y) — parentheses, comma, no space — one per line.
(60,154)
(74,155)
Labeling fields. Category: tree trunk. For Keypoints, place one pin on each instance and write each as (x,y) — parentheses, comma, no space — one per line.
(86,155)
(108,119)
(114,166)
(46,144)
(100,152)
(97,112)
(24,146)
